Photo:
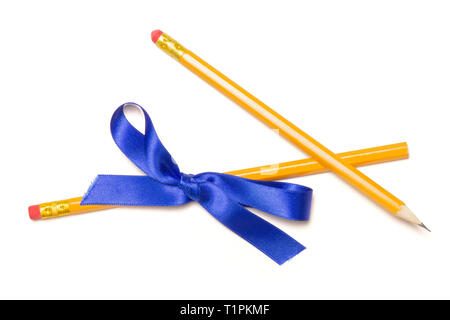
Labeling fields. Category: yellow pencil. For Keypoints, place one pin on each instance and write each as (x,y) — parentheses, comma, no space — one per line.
(277,171)
(302,140)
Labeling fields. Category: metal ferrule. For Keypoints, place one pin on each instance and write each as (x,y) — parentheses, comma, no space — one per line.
(170,46)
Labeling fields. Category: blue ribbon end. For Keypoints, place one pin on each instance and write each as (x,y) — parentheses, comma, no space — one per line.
(83,201)
(295,251)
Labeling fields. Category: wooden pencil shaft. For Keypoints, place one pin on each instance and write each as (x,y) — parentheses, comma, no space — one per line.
(302,140)
(279,171)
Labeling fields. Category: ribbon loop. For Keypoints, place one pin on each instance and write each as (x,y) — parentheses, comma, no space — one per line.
(145,151)
(223,196)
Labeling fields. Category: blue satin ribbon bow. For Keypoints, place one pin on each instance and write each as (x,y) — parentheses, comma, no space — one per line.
(223,196)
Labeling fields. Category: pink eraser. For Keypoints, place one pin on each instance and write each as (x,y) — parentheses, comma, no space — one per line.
(155,35)
(34,212)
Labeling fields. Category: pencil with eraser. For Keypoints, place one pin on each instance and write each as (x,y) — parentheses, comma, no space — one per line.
(287,129)
(277,171)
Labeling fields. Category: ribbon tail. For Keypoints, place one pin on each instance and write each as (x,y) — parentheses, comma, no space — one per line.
(270,240)
(132,191)
(285,200)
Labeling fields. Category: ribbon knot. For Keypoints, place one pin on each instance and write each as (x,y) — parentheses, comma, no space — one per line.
(224,196)
(190,186)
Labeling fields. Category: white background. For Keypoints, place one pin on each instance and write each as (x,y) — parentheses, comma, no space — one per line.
(353,74)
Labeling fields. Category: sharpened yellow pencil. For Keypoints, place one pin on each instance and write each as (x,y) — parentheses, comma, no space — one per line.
(287,129)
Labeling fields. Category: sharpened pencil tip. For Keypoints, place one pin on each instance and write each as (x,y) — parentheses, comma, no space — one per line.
(424,226)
